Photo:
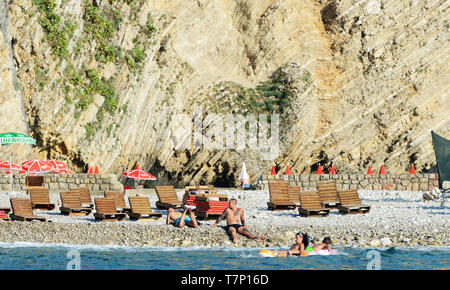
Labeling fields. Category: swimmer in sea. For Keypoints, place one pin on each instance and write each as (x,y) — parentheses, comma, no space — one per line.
(181,219)
(324,245)
(234,217)
(300,248)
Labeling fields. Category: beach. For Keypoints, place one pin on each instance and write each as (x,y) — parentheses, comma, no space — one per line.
(396,219)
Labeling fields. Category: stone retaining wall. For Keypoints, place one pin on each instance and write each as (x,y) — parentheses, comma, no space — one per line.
(416,182)
(97,183)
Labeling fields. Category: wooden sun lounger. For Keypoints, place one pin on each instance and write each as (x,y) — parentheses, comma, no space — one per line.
(294,194)
(350,202)
(167,197)
(140,209)
(71,204)
(106,210)
(328,193)
(34,181)
(22,210)
(40,198)
(85,196)
(310,205)
(119,199)
(279,196)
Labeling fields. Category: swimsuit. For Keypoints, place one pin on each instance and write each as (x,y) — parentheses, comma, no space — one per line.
(186,220)
(236,226)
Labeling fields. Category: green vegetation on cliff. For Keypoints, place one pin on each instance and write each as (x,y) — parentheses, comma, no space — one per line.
(55,33)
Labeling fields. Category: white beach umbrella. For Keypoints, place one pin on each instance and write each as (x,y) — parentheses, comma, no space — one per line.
(243,176)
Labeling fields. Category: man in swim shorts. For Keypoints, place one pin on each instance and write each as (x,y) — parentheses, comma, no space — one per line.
(234,217)
(181,219)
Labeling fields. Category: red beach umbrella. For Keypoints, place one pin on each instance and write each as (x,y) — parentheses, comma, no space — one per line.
(413,170)
(8,165)
(288,170)
(319,169)
(382,170)
(96,171)
(36,166)
(90,170)
(273,170)
(138,174)
(332,170)
(56,165)
(369,171)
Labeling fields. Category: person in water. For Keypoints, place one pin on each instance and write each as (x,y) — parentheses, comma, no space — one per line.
(324,245)
(182,219)
(300,248)
(234,217)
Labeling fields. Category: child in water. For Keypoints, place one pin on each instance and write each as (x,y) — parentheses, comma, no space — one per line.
(324,245)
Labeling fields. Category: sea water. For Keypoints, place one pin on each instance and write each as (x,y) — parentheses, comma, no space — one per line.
(23,256)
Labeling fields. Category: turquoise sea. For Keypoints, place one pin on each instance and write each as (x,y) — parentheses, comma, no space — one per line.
(23,256)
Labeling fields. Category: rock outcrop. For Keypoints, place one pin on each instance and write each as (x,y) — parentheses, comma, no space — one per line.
(103,82)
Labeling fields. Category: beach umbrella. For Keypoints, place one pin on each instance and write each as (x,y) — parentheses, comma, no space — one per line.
(332,170)
(36,166)
(9,165)
(90,170)
(14,138)
(382,171)
(138,174)
(288,170)
(369,171)
(273,170)
(56,165)
(413,170)
(243,176)
(319,169)
(96,171)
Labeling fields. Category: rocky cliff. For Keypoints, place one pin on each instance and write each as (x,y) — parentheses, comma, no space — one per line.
(353,82)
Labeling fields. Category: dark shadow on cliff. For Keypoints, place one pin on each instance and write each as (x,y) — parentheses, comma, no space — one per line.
(226,177)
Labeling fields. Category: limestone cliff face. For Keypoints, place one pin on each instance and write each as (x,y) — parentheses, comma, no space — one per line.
(354,82)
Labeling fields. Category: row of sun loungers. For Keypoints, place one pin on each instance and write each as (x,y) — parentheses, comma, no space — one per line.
(113,206)
(314,203)
(78,202)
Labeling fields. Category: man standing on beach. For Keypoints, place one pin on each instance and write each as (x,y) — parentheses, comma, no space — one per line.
(234,217)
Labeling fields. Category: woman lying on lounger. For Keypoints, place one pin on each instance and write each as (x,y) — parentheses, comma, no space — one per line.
(181,219)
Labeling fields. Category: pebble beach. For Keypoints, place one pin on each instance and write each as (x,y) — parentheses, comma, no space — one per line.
(396,218)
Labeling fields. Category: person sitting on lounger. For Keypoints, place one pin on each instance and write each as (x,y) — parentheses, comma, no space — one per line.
(234,217)
(181,219)
(324,245)
(300,248)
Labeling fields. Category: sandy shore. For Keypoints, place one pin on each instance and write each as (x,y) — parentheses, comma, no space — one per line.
(397,218)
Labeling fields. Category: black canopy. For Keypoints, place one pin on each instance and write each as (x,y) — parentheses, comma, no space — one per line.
(442,151)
